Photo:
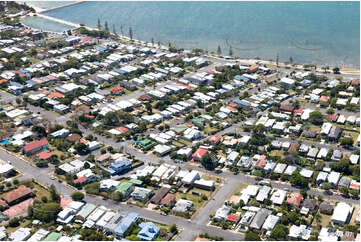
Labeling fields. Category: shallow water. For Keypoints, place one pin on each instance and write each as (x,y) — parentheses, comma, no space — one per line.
(309,32)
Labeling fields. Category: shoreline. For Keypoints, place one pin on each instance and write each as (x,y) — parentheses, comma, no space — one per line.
(345,70)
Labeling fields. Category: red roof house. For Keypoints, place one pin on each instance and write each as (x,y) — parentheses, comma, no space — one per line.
(122,129)
(332,117)
(324,99)
(117,90)
(298,112)
(199,154)
(295,199)
(81,180)
(261,161)
(215,139)
(36,146)
(232,217)
(44,155)
(17,195)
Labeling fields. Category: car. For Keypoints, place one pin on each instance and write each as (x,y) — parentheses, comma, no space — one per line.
(60,181)
(163,214)
(52,178)
(218,171)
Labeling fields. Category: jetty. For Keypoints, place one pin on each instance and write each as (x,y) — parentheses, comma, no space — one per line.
(75,25)
(39,11)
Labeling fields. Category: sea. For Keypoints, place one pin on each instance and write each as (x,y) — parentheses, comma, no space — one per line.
(322,33)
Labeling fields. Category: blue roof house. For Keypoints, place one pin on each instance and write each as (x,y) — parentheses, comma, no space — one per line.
(149,231)
(120,165)
(120,230)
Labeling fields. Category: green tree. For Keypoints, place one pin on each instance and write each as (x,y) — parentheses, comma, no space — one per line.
(130,33)
(81,148)
(106,26)
(208,162)
(330,111)
(316,118)
(336,70)
(77,196)
(277,59)
(280,232)
(344,191)
(230,50)
(219,51)
(54,195)
(173,228)
(114,31)
(251,236)
(99,25)
(47,212)
(346,141)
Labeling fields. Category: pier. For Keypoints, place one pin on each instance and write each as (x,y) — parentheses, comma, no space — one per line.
(39,11)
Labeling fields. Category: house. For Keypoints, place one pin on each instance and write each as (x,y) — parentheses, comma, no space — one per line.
(120,165)
(204,184)
(182,206)
(342,214)
(271,222)
(311,204)
(335,133)
(231,158)
(246,220)
(295,199)
(333,178)
(6,169)
(36,146)
(326,208)
(148,231)
(278,196)
(222,213)
(260,218)
(191,177)
(125,188)
(329,234)
(142,194)
(199,153)
(344,182)
(233,217)
(120,230)
(157,198)
(20,234)
(348,236)
(299,232)
(336,155)
(263,193)
(18,195)
(169,200)
(287,82)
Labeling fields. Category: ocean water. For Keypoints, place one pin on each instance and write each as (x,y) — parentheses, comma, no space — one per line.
(309,32)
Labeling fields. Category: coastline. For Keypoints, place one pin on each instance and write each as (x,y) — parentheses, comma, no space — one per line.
(343,69)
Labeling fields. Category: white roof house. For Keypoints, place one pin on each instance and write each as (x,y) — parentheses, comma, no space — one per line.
(306,173)
(251,190)
(325,129)
(354,159)
(271,222)
(221,213)
(191,177)
(342,213)
(333,178)
(278,196)
(20,234)
(299,232)
(290,169)
(329,234)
